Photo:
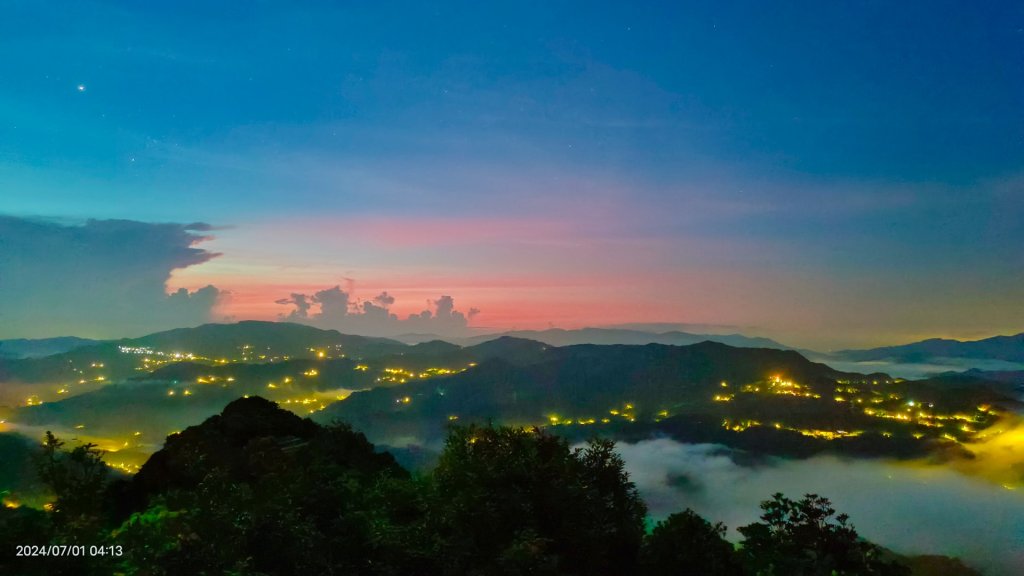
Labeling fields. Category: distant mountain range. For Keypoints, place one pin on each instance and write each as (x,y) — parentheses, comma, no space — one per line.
(283,338)
(72,360)
(133,392)
(560,337)
(35,348)
(1007,348)
(81,365)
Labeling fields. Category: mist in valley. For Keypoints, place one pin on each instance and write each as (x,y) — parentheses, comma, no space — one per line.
(911,508)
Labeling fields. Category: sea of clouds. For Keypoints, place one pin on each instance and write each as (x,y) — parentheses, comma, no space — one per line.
(912,508)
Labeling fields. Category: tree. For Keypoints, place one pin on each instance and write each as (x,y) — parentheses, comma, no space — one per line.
(77,478)
(508,499)
(807,538)
(684,544)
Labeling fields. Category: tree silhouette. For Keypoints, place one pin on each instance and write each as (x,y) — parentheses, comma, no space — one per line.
(77,479)
(259,491)
(508,498)
(684,544)
(807,538)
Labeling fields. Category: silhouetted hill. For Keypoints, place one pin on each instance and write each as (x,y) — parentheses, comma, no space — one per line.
(510,349)
(1008,376)
(1008,348)
(246,441)
(763,400)
(270,339)
(1009,382)
(248,341)
(575,382)
(963,390)
(433,347)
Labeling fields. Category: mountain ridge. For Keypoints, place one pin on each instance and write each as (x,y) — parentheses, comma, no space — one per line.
(569,337)
(1008,348)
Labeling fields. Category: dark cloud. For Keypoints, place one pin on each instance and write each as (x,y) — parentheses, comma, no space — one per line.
(301,303)
(384,299)
(103,278)
(335,308)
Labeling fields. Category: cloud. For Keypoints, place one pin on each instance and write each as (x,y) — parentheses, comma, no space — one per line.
(301,303)
(911,508)
(101,278)
(336,308)
(384,299)
(334,303)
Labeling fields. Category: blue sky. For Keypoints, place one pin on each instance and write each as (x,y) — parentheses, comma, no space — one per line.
(827,173)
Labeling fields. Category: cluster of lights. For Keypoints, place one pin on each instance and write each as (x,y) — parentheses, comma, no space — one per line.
(823,434)
(865,392)
(626,412)
(922,417)
(781,387)
(125,467)
(396,375)
(556,420)
(137,350)
(739,425)
(311,404)
(402,375)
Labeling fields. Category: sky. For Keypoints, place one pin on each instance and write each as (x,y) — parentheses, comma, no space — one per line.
(831,175)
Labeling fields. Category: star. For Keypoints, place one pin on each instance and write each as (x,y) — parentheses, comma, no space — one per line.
(81,87)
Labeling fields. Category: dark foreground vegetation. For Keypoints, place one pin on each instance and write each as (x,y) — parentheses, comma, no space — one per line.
(257,490)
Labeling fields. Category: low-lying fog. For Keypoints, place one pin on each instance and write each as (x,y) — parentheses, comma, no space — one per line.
(918,370)
(910,508)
